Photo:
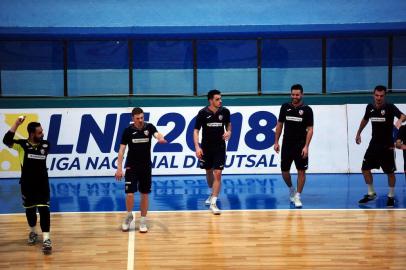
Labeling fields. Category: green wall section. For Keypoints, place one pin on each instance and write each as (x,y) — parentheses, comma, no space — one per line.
(95,102)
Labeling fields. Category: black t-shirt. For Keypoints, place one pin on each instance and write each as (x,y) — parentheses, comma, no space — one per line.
(296,121)
(139,144)
(213,126)
(382,123)
(33,157)
(402,134)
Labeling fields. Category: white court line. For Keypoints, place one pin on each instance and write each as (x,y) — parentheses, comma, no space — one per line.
(234,210)
(131,245)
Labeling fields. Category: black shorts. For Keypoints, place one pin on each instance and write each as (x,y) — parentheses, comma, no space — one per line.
(35,192)
(292,151)
(138,180)
(213,158)
(376,158)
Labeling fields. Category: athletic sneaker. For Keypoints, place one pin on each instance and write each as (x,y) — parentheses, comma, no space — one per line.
(390,202)
(143,227)
(367,198)
(214,209)
(208,201)
(32,238)
(125,227)
(47,247)
(292,194)
(297,201)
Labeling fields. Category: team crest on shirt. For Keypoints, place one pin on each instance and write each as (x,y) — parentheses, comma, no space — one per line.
(146,132)
(383,112)
(301,112)
(42,151)
(220,117)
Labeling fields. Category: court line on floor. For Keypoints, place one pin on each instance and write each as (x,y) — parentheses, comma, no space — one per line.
(131,245)
(225,211)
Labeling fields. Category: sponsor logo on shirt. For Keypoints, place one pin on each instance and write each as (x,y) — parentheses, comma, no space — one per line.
(294,119)
(378,119)
(143,140)
(215,124)
(39,157)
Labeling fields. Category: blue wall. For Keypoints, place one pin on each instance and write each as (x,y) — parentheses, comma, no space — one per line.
(127,13)
(191,16)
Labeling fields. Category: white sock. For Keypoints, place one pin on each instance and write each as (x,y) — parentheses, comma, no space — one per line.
(213,200)
(45,236)
(33,229)
(391,192)
(298,195)
(371,189)
(129,214)
(143,219)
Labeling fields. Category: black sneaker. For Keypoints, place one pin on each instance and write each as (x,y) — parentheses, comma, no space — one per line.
(32,238)
(47,247)
(390,202)
(367,198)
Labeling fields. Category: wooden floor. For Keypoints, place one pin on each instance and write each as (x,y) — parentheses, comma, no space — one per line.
(282,239)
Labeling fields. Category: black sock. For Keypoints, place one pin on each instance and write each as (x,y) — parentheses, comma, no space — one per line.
(31,214)
(45,218)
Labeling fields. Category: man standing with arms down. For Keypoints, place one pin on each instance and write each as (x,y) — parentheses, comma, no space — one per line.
(138,165)
(32,153)
(214,120)
(380,152)
(297,120)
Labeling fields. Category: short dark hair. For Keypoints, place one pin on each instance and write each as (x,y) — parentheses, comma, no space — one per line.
(297,87)
(32,126)
(136,111)
(213,92)
(380,88)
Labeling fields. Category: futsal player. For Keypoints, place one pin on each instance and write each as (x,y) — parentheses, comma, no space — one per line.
(137,166)
(380,152)
(214,120)
(34,183)
(296,118)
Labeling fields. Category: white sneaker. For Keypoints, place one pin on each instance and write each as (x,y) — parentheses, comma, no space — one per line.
(125,227)
(208,201)
(292,194)
(297,201)
(214,209)
(143,227)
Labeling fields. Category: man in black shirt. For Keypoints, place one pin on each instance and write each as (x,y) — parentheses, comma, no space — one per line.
(34,182)
(138,165)
(214,120)
(380,152)
(401,144)
(298,131)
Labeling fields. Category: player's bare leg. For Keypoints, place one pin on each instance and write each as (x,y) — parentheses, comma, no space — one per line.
(371,191)
(288,180)
(144,209)
(129,203)
(210,180)
(216,190)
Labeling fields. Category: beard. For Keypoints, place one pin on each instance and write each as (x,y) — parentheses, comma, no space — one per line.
(38,139)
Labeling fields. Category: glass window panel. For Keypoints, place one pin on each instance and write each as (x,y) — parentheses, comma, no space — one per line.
(163,67)
(290,61)
(227,65)
(97,68)
(356,64)
(399,63)
(31,68)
